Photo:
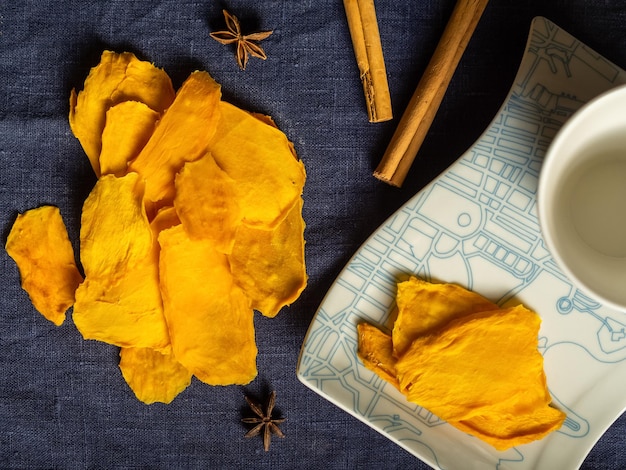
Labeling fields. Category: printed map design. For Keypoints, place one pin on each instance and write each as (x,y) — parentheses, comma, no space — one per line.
(476,225)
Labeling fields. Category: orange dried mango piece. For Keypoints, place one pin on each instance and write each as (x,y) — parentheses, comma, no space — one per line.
(120,300)
(115,234)
(265,118)
(128,313)
(128,127)
(166,217)
(206,203)
(39,245)
(424,306)
(503,430)
(182,135)
(483,370)
(376,352)
(116,78)
(153,376)
(209,317)
(261,160)
(269,264)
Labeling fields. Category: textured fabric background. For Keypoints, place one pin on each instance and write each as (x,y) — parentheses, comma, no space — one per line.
(63,402)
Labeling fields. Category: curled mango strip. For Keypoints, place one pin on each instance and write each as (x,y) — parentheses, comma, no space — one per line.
(153,376)
(39,244)
(116,78)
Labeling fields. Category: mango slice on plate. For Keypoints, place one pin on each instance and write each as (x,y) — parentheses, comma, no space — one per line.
(206,203)
(182,135)
(484,371)
(116,78)
(376,352)
(153,376)
(479,370)
(260,159)
(424,306)
(269,264)
(120,300)
(474,362)
(504,430)
(39,245)
(210,320)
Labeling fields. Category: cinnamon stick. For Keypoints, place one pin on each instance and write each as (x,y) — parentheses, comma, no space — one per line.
(368,50)
(424,103)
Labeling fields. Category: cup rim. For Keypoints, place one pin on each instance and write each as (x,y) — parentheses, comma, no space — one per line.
(550,159)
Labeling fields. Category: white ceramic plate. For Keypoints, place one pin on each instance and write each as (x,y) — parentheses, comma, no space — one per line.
(476,225)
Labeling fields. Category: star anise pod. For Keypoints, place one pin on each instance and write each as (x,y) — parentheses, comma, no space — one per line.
(264,421)
(247,45)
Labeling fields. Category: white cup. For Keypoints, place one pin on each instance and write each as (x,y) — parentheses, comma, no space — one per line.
(582,198)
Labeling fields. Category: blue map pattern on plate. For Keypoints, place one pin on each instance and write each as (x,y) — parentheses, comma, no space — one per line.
(476,225)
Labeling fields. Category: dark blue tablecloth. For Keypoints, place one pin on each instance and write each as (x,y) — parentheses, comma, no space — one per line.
(63,402)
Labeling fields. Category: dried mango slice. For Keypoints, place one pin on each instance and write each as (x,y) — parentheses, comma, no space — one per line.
(182,135)
(40,246)
(152,375)
(269,264)
(120,300)
(483,370)
(167,217)
(128,127)
(261,160)
(128,313)
(210,320)
(116,78)
(115,234)
(266,119)
(503,430)
(424,306)
(376,352)
(206,203)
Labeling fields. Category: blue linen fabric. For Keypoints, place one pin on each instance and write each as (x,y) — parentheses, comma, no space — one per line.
(63,402)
